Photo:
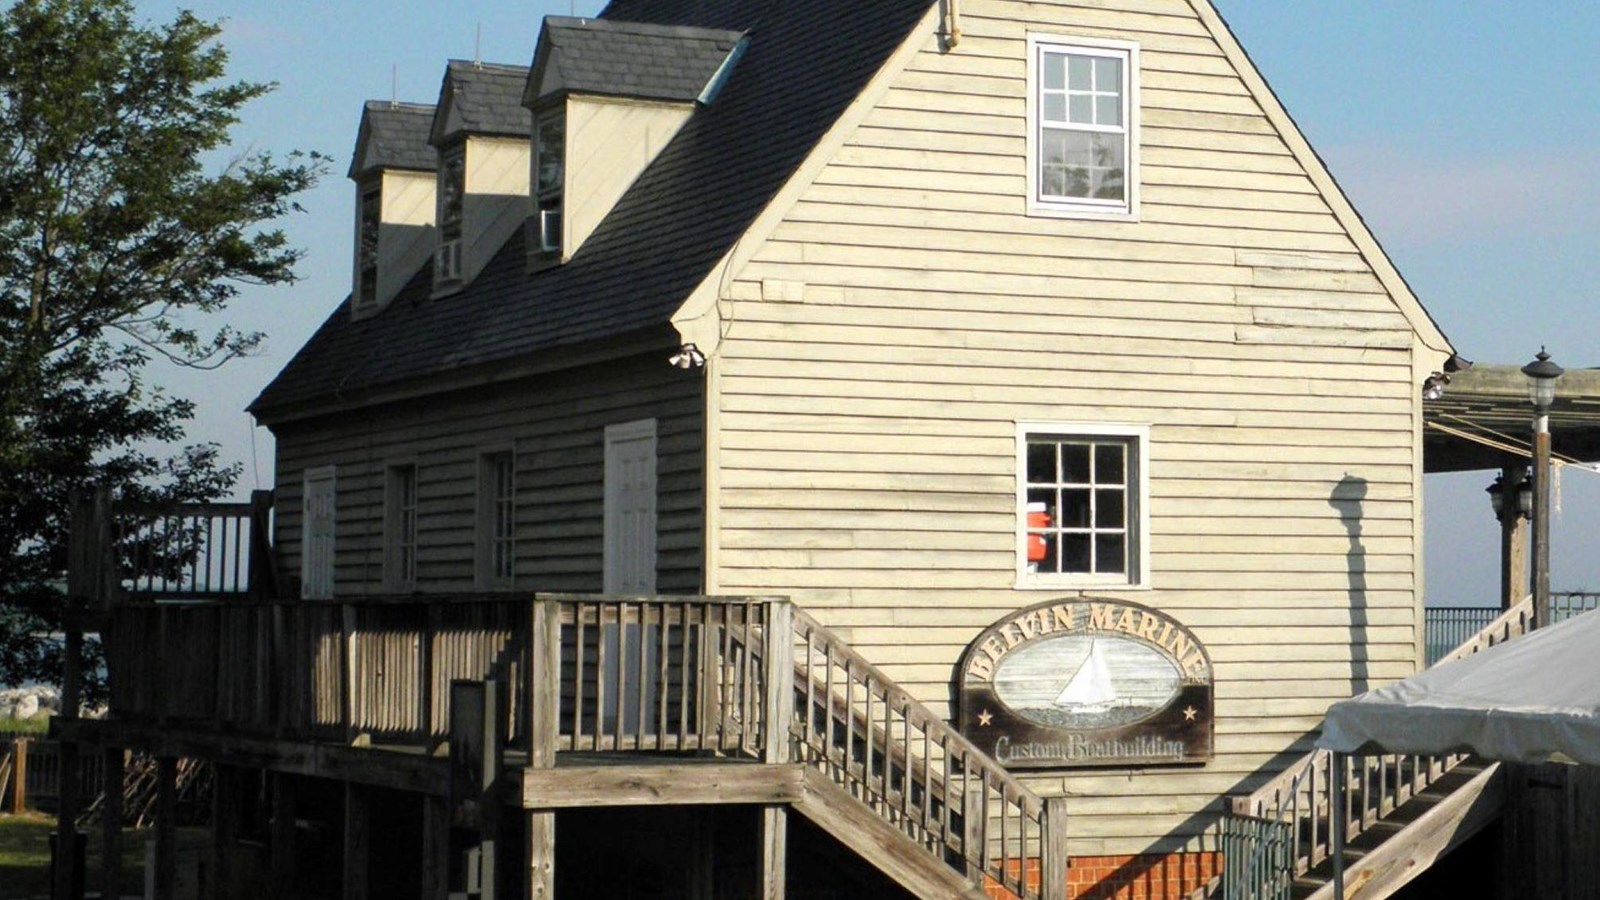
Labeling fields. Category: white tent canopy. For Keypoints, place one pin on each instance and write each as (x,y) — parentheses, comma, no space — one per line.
(1534,699)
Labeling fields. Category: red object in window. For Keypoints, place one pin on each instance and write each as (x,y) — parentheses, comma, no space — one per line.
(1038,517)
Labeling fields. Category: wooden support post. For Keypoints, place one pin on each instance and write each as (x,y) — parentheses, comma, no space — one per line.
(541,855)
(778,678)
(544,730)
(115,760)
(1053,849)
(1513,540)
(435,848)
(703,865)
(357,841)
(263,576)
(166,863)
(66,885)
(19,775)
(283,832)
(349,670)
(774,852)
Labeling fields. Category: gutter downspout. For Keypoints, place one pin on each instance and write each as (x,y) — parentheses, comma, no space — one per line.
(952,34)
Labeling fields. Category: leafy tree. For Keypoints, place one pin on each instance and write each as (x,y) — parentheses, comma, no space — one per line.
(119,240)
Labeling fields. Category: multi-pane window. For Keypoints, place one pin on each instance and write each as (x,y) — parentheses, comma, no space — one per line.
(1081,507)
(1084,123)
(401,527)
(497,504)
(550,158)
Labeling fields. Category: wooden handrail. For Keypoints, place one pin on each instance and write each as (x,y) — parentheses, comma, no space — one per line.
(1302,797)
(920,774)
(188,551)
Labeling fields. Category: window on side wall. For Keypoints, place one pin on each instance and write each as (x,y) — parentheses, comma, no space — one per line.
(1082,506)
(400,528)
(1083,128)
(497,522)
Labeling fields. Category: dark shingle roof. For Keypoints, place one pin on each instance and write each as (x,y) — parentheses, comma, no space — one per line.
(629,59)
(394,136)
(805,63)
(487,99)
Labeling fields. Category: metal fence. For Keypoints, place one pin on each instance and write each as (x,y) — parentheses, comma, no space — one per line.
(1259,859)
(1449,626)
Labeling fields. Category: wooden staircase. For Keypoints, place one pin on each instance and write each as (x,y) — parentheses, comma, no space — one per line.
(890,778)
(1399,814)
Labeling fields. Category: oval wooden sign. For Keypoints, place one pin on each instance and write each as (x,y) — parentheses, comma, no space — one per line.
(1088,682)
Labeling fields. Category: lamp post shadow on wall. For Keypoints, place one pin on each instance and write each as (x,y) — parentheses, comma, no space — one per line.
(1542,375)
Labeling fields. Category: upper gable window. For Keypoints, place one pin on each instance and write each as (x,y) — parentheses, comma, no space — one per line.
(549,170)
(1083,127)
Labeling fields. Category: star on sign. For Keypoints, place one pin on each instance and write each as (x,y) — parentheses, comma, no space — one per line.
(984,718)
(1189,713)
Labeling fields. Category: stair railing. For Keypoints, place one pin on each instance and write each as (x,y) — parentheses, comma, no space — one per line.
(919,774)
(1302,797)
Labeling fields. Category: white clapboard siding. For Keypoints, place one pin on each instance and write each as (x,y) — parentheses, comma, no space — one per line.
(881,344)
(555,427)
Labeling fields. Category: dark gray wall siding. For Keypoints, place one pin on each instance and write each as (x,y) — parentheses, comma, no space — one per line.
(556,423)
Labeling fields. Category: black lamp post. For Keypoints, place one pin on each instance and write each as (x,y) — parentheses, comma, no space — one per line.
(1542,375)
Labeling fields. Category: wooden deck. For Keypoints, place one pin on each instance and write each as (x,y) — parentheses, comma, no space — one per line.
(561,702)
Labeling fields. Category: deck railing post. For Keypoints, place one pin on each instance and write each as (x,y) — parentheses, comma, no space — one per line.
(19,775)
(1053,849)
(778,680)
(263,578)
(544,727)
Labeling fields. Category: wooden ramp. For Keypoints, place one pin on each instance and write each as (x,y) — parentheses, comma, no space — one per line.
(1398,814)
(1415,836)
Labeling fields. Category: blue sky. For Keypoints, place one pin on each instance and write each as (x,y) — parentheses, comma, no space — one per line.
(1465,132)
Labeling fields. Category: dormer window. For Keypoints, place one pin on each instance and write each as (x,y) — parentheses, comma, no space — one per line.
(452,191)
(550,157)
(367,247)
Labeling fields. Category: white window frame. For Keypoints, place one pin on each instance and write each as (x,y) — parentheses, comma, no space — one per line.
(399,532)
(493,509)
(1138,576)
(1084,208)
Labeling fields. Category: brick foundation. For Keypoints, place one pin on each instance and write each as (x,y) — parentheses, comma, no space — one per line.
(1171,876)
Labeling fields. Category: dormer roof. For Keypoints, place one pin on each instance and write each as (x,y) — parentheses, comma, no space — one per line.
(482,99)
(665,235)
(394,136)
(639,60)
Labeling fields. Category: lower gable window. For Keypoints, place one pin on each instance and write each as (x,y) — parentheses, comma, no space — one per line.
(400,528)
(1082,500)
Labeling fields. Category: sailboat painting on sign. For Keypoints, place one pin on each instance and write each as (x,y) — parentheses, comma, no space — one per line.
(1087,682)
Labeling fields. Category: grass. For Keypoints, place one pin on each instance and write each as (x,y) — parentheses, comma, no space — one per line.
(35,725)
(25,857)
